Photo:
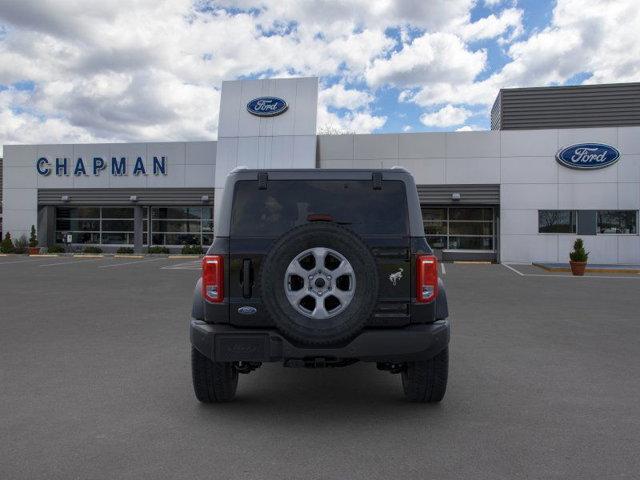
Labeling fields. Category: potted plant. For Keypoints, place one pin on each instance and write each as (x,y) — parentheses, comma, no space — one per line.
(33,242)
(578,258)
(21,245)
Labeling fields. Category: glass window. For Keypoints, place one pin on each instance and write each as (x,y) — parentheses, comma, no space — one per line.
(95,225)
(463,213)
(618,221)
(430,214)
(77,224)
(471,243)
(439,242)
(556,221)
(112,212)
(181,225)
(117,225)
(78,212)
(435,228)
(286,204)
(470,228)
(177,213)
(463,228)
(118,238)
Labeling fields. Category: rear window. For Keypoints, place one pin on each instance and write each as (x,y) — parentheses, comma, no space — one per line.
(285,204)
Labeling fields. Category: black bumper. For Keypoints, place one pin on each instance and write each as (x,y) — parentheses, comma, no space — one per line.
(224,343)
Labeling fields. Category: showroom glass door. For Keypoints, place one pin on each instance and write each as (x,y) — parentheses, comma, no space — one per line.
(460,228)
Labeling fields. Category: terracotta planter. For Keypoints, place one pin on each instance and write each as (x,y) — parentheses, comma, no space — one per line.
(34,250)
(578,268)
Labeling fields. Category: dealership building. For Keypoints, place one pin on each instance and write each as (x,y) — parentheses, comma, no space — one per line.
(559,163)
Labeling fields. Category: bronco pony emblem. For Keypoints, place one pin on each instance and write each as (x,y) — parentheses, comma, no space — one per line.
(394,277)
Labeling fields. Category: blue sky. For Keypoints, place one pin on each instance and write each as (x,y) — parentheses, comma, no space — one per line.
(77,71)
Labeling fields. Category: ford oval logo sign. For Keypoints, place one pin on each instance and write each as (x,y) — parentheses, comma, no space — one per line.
(588,156)
(267,106)
(247,310)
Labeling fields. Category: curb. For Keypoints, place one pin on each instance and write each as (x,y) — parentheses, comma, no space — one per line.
(88,255)
(122,255)
(184,256)
(589,270)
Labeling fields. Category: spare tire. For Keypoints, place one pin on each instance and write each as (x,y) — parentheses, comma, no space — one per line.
(319,284)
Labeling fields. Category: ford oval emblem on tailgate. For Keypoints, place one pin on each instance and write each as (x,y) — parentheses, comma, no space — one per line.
(246,310)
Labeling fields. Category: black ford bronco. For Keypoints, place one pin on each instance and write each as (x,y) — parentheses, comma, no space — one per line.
(319,268)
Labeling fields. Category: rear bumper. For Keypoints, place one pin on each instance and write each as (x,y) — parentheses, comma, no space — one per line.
(224,343)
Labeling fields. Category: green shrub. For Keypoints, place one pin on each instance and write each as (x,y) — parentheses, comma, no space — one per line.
(158,249)
(55,249)
(33,238)
(191,250)
(92,249)
(21,244)
(7,244)
(125,250)
(579,254)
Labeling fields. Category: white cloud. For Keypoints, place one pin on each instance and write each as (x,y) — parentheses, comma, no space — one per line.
(432,57)
(469,128)
(407,128)
(338,96)
(509,20)
(447,116)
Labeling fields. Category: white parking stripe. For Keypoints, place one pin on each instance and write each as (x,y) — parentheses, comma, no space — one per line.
(183,266)
(444,270)
(513,269)
(130,263)
(70,262)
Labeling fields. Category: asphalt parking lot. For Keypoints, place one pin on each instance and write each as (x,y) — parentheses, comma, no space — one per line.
(95,383)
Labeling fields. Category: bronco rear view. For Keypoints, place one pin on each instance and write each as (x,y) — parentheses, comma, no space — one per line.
(319,268)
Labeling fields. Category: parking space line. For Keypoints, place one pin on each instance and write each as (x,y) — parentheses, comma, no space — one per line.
(513,269)
(130,263)
(183,266)
(71,262)
(444,270)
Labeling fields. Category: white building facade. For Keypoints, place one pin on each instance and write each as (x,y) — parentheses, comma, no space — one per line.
(500,195)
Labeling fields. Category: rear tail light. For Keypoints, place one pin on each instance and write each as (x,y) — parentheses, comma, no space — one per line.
(213,278)
(426,278)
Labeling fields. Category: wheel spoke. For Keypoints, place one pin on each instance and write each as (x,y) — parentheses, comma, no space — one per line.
(319,254)
(296,269)
(343,296)
(343,269)
(295,296)
(320,312)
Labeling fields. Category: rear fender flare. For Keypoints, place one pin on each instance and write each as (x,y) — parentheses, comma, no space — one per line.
(197,309)
(442,307)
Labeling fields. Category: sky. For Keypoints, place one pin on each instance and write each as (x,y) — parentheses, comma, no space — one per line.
(77,71)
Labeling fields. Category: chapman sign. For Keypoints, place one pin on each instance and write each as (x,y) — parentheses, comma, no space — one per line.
(588,156)
(96,165)
(267,106)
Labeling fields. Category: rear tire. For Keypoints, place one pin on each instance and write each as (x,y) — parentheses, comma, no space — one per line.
(213,382)
(426,382)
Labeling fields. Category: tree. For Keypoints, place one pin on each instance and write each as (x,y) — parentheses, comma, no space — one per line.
(7,244)
(33,238)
